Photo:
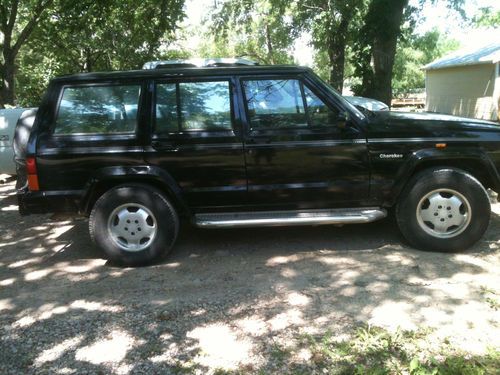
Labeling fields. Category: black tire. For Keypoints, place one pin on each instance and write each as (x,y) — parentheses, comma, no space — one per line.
(161,216)
(422,234)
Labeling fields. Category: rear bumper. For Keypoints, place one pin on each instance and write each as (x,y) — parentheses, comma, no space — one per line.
(42,202)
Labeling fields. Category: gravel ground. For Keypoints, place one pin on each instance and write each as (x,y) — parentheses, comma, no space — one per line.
(225,298)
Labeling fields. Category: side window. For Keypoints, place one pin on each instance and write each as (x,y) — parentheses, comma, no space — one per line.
(274,104)
(98,109)
(318,112)
(204,106)
(166,108)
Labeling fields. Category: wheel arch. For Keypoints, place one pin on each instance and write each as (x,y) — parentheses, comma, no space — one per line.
(110,177)
(475,163)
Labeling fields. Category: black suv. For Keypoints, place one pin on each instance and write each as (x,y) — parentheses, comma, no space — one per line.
(242,146)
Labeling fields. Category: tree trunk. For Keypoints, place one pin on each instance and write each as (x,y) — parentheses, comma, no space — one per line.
(336,53)
(7,73)
(383,25)
(269,44)
(337,46)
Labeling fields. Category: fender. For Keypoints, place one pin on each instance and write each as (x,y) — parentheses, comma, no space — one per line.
(116,175)
(468,159)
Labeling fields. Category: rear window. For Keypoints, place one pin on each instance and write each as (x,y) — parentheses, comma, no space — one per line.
(98,109)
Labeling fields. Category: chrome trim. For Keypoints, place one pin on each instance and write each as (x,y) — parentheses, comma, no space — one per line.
(92,150)
(199,62)
(285,218)
(317,143)
(425,140)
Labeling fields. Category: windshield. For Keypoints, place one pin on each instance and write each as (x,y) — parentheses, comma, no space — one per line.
(335,93)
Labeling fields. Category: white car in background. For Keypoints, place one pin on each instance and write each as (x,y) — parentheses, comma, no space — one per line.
(368,103)
(8,122)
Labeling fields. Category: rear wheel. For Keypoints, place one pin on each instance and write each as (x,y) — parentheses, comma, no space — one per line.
(443,209)
(134,225)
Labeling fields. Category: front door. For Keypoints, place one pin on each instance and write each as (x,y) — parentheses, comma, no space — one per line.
(299,151)
(196,141)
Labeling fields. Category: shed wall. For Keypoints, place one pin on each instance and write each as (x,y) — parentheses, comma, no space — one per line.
(469,91)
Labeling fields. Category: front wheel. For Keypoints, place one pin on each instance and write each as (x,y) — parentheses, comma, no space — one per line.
(134,225)
(443,209)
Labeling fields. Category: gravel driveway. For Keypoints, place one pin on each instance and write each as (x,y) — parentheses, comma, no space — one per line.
(224,298)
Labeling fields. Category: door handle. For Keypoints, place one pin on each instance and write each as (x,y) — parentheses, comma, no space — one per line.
(253,141)
(164,146)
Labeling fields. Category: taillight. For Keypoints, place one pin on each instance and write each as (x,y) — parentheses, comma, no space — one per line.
(32,174)
(31,166)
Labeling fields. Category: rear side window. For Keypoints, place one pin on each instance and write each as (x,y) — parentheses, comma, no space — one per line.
(193,106)
(98,109)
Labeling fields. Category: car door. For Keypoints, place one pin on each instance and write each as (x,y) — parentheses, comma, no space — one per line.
(196,140)
(300,149)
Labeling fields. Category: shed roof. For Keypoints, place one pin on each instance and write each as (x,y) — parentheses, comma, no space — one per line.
(488,54)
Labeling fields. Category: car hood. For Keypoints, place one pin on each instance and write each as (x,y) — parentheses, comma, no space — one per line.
(424,125)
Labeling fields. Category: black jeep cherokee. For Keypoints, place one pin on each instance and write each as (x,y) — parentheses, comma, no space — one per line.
(249,146)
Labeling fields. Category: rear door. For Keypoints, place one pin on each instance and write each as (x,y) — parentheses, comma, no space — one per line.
(300,150)
(196,139)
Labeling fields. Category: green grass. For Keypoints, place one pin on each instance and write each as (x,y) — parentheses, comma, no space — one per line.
(369,351)
(375,351)
(490,297)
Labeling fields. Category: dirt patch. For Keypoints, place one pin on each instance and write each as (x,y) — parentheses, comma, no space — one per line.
(226,299)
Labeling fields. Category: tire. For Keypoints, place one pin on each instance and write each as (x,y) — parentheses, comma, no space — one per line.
(134,225)
(443,209)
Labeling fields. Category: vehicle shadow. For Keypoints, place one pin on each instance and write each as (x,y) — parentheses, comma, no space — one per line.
(222,298)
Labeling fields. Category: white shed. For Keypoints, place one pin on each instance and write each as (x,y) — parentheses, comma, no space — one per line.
(465,83)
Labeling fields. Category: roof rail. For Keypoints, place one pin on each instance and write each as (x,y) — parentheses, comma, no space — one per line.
(198,63)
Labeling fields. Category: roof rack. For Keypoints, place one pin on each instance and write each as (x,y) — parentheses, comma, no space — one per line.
(198,63)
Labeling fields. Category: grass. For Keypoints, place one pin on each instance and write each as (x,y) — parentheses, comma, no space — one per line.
(490,297)
(375,351)
(369,351)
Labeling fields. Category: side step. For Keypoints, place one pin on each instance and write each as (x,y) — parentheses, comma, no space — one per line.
(283,218)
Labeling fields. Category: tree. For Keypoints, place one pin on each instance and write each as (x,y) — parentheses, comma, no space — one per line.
(91,35)
(108,34)
(487,17)
(18,20)
(260,30)
(376,48)
(413,52)
(376,44)
(331,24)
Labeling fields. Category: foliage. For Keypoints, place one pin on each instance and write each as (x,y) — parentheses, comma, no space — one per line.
(384,26)
(260,30)
(487,17)
(93,35)
(18,20)
(413,53)
(332,25)
(374,350)
(353,41)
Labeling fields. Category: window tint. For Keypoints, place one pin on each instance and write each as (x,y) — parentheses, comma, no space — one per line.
(166,108)
(319,113)
(274,104)
(98,109)
(204,106)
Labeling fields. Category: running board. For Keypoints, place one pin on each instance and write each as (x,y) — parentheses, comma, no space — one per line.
(283,218)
